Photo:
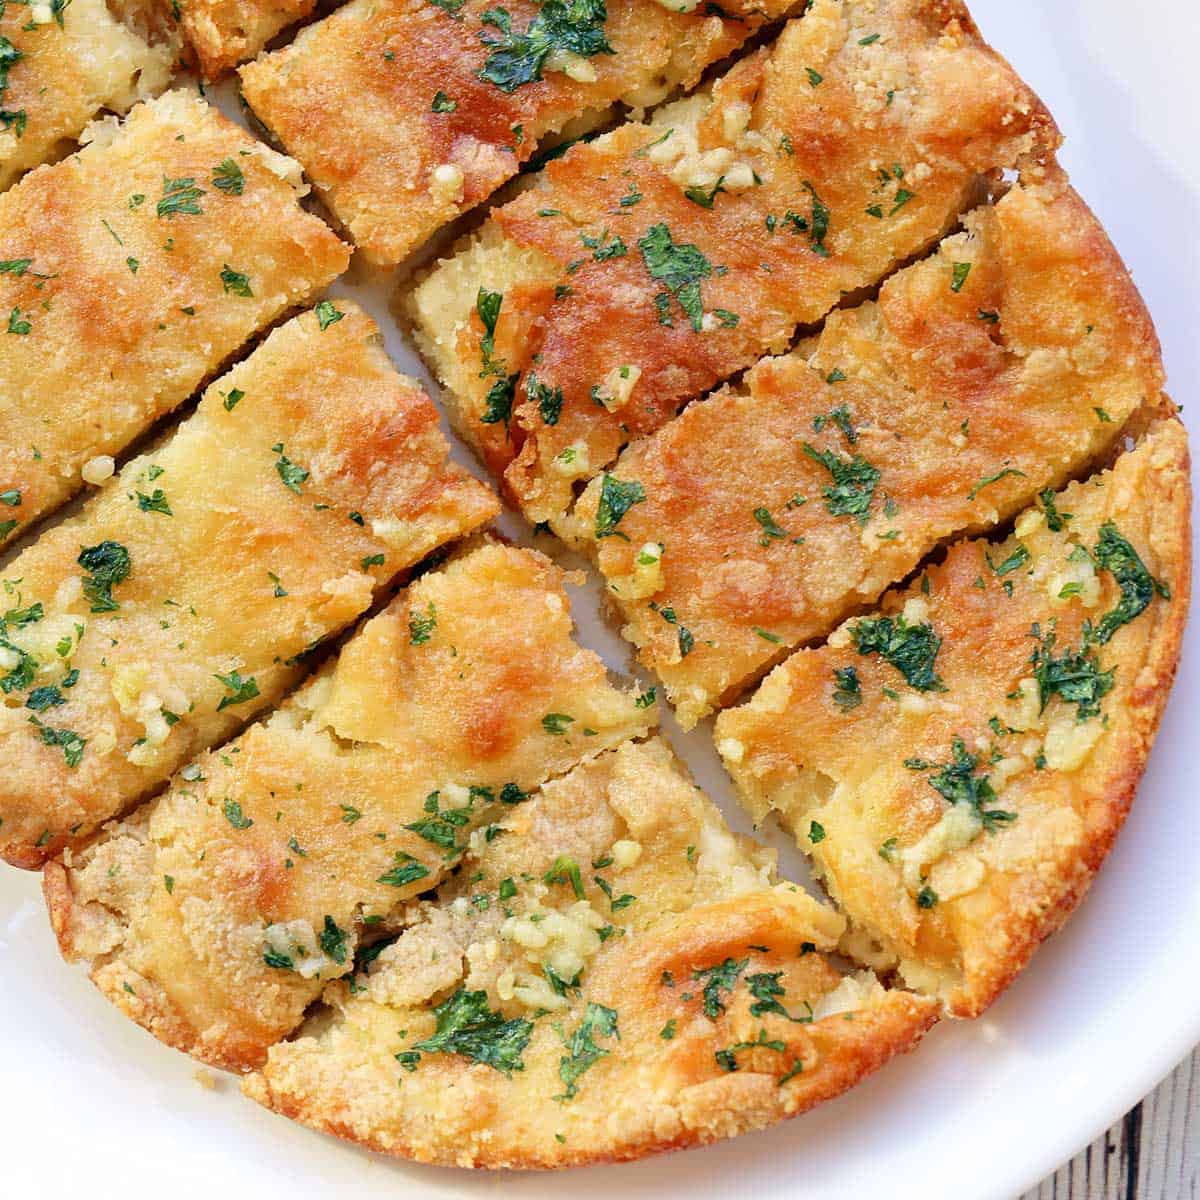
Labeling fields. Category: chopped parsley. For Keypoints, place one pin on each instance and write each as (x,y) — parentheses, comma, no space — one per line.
(727,1058)
(443,104)
(718,980)
(155,502)
(239,690)
(235,282)
(406,870)
(582,1051)
(679,267)
(1073,675)
(234,815)
(227,177)
(1115,555)
(958,783)
(333,940)
(556,723)
(107,565)
(853,486)
(181,197)
(911,649)
(467,1026)
(1054,519)
(327,315)
(766,990)
(67,740)
(959,277)
(293,475)
(987,480)
(421,625)
(617,497)
(566,870)
(549,400)
(1016,559)
(848,692)
(560,27)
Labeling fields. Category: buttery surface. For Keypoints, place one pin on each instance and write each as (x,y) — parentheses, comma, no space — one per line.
(182,600)
(643,268)
(132,270)
(64,69)
(406,113)
(265,912)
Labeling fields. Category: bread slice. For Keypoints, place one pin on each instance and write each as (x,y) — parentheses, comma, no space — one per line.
(307,833)
(133,270)
(67,68)
(959,764)
(643,268)
(614,973)
(223,33)
(406,113)
(181,601)
(1000,366)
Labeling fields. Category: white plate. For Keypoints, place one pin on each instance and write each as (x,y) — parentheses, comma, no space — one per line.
(90,1103)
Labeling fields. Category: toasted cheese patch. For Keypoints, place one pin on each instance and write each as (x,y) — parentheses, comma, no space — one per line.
(550,1007)
(307,833)
(63,70)
(959,763)
(134,268)
(223,33)
(406,113)
(983,375)
(180,602)
(689,246)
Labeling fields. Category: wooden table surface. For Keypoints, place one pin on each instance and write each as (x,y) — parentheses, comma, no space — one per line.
(1153,1153)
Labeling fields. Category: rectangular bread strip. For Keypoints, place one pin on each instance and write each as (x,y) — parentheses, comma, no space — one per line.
(645,267)
(761,517)
(60,70)
(132,271)
(224,33)
(617,902)
(959,766)
(406,113)
(361,791)
(180,602)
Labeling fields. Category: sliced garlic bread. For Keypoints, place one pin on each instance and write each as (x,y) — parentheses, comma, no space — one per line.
(301,836)
(610,973)
(959,763)
(758,519)
(643,268)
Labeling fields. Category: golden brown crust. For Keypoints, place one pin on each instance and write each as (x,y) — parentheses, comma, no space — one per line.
(960,903)
(353,98)
(70,68)
(753,558)
(669,1063)
(120,313)
(223,33)
(468,686)
(790,209)
(242,555)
